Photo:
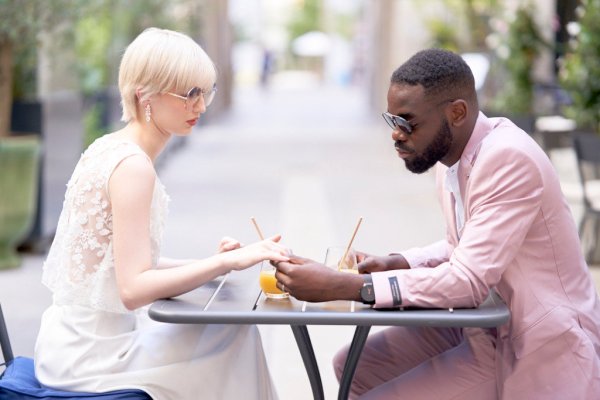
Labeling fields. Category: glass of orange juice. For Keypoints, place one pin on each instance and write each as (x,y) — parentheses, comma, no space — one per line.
(268,283)
(333,259)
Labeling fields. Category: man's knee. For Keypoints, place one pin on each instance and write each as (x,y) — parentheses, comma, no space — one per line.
(339,360)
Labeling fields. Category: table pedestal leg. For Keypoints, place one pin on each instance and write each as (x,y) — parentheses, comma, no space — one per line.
(310,362)
(358,342)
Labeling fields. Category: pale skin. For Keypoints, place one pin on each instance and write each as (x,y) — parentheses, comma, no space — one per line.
(140,284)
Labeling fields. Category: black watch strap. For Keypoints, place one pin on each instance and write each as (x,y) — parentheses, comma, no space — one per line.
(367,293)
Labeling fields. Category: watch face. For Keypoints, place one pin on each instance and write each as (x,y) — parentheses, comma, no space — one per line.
(367,294)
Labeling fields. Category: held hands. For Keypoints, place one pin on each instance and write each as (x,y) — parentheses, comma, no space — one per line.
(306,279)
(309,280)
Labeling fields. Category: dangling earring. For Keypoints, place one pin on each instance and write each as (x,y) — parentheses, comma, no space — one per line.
(148,112)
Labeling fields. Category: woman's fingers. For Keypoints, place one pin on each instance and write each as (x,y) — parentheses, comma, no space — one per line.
(227,244)
(275,238)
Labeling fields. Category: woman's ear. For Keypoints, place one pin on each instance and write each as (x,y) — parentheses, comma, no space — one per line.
(138,94)
(457,112)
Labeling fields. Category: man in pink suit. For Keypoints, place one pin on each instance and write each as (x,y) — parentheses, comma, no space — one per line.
(509,228)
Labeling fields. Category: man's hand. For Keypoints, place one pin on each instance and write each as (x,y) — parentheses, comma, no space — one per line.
(309,280)
(368,263)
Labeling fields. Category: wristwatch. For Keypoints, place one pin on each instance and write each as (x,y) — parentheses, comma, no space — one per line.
(367,293)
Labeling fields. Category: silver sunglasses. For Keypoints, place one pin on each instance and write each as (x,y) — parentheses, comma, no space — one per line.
(192,98)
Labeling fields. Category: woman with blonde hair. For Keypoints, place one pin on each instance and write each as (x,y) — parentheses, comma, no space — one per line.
(104,263)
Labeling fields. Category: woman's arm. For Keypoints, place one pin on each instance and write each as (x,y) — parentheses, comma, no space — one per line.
(139,284)
(166,262)
(226,244)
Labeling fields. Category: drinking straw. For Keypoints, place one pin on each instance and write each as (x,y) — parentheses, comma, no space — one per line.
(349,244)
(260,235)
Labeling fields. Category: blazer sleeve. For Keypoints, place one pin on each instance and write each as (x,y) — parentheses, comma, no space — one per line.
(503,198)
(428,256)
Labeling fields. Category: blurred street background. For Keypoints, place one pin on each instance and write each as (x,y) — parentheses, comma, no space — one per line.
(294,136)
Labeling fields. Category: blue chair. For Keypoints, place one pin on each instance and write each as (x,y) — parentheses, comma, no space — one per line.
(18,381)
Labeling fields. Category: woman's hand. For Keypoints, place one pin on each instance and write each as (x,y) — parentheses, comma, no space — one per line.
(228,244)
(246,256)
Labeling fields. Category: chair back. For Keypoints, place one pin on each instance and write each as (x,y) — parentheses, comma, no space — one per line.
(587,150)
(7,353)
(18,381)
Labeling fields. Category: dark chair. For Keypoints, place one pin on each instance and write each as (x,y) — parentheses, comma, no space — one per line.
(587,150)
(18,381)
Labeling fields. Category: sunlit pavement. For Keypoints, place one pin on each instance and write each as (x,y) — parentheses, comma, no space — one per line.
(307,162)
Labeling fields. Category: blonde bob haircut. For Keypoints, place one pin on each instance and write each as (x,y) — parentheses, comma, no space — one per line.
(160,61)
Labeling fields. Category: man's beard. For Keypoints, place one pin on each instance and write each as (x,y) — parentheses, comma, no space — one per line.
(437,149)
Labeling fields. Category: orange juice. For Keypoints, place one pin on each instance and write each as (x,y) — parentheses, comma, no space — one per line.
(349,271)
(334,255)
(268,284)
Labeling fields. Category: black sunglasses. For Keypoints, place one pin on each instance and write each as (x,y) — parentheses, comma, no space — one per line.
(396,122)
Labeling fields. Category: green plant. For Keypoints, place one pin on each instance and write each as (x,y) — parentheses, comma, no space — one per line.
(518,54)
(92,125)
(465,25)
(24,85)
(19,163)
(307,18)
(580,68)
(92,41)
(443,35)
(21,23)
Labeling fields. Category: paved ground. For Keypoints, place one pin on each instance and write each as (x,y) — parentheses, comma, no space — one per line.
(306,162)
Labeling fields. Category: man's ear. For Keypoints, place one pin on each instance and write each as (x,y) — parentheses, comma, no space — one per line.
(457,112)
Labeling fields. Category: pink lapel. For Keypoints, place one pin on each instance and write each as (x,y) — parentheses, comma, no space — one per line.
(482,127)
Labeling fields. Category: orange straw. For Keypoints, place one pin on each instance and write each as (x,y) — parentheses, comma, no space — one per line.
(349,244)
(260,235)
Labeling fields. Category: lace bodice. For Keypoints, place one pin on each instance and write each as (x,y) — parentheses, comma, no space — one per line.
(79,269)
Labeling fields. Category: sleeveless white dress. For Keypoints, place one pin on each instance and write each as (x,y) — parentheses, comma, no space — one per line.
(89,341)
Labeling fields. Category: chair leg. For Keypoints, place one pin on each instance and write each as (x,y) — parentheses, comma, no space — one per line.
(582,235)
(582,225)
(594,250)
(589,234)
(4,340)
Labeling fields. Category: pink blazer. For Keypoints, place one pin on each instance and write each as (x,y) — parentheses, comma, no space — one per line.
(520,238)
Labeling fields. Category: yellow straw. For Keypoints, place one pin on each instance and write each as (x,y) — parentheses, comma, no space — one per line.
(349,244)
(260,235)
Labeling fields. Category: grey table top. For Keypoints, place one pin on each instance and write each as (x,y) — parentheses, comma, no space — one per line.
(237,299)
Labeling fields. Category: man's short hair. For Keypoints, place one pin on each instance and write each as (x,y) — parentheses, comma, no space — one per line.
(440,72)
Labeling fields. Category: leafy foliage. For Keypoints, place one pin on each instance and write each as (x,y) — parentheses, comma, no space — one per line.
(21,26)
(523,45)
(22,23)
(469,27)
(580,68)
(92,42)
(443,35)
(307,18)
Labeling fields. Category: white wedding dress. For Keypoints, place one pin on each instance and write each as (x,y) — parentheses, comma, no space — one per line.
(88,341)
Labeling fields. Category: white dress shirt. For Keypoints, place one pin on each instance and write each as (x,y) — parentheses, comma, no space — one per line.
(451,185)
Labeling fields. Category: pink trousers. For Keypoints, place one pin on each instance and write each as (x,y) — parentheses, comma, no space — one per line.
(424,363)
